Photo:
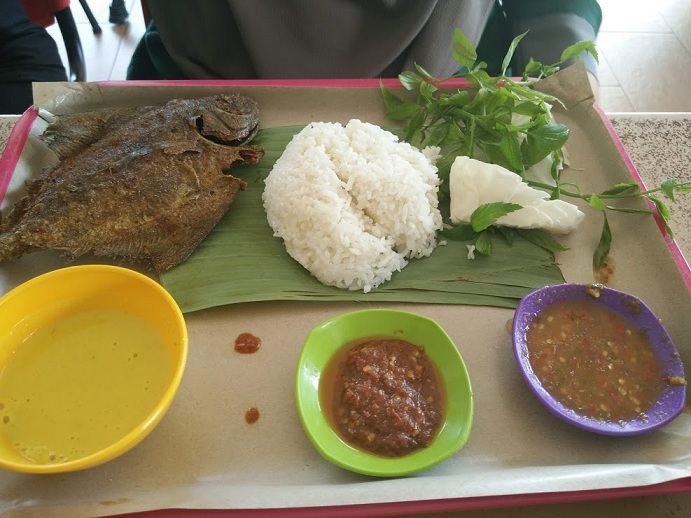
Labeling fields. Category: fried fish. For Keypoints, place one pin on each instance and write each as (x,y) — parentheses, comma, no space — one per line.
(143,184)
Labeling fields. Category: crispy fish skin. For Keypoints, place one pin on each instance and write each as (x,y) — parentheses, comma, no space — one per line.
(145,185)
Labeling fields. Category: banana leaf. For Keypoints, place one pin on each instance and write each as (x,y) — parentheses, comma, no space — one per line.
(242,261)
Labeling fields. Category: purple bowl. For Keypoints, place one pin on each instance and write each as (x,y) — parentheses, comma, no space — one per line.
(673,396)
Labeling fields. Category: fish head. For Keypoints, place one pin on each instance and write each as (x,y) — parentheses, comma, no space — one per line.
(231,120)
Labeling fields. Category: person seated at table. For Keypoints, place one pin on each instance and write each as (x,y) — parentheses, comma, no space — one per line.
(276,39)
(27,54)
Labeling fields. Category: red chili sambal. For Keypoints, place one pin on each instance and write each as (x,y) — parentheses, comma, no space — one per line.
(247,343)
(384,396)
(594,361)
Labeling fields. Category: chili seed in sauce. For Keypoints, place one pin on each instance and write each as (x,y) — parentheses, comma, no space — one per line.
(594,361)
(384,396)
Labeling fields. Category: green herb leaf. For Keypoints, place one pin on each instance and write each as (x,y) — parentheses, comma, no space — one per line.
(413,132)
(604,245)
(621,188)
(509,54)
(427,90)
(596,203)
(488,213)
(444,164)
(463,50)
(424,72)
(574,51)
(532,68)
(483,244)
(529,109)
(494,154)
(668,187)
(410,80)
(458,99)
(459,233)
(542,140)
(541,238)
(396,108)
(402,111)
(508,233)
(663,211)
(437,135)
(511,150)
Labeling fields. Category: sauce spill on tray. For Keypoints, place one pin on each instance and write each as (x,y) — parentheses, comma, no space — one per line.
(247,343)
(251,415)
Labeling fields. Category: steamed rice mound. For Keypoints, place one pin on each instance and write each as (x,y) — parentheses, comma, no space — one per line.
(352,203)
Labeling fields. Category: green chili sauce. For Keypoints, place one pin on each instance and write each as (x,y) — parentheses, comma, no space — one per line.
(594,361)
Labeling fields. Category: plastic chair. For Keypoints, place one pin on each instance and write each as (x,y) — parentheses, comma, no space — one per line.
(117,14)
(45,12)
(73,45)
(90,16)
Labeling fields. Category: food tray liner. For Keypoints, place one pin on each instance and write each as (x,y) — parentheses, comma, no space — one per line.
(203,455)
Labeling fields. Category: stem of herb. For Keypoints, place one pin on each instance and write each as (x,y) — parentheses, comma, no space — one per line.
(586,197)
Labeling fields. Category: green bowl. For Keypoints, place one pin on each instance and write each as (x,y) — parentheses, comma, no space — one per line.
(328,337)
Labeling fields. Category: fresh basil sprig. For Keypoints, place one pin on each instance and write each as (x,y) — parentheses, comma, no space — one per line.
(621,192)
(480,125)
(484,125)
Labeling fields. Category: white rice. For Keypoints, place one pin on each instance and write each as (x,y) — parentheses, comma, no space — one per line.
(353,204)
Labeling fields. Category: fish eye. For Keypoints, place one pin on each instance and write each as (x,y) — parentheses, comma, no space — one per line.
(215,137)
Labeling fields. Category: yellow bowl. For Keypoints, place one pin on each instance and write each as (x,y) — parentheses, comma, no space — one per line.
(90,360)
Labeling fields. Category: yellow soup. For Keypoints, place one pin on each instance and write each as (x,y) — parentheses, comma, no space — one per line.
(77,385)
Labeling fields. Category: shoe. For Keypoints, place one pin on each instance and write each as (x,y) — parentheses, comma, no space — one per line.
(118,12)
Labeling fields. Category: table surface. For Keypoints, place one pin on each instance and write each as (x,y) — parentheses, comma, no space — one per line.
(658,146)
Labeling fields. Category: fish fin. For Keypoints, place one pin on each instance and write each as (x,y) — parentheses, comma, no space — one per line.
(70,134)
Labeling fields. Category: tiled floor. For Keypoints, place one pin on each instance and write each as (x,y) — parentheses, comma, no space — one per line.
(106,54)
(645,55)
(645,51)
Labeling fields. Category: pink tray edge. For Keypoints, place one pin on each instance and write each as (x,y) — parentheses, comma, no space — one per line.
(13,148)
(292,83)
(433,506)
